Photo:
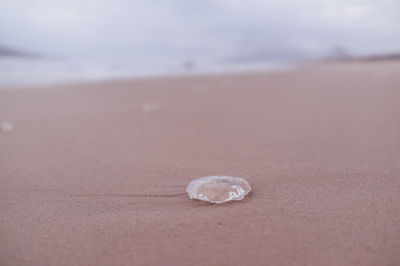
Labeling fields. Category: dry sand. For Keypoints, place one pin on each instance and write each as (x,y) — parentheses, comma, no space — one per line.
(94,174)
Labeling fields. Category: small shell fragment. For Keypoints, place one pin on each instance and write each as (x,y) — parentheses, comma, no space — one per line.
(148,108)
(6,127)
(218,189)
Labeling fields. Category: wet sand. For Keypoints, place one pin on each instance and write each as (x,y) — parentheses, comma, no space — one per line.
(95,174)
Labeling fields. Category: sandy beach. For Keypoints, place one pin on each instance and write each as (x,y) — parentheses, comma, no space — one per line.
(95,173)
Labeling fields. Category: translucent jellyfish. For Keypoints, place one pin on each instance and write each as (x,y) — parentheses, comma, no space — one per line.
(6,127)
(218,189)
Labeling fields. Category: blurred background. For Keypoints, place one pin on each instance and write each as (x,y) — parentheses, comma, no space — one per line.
(45,41)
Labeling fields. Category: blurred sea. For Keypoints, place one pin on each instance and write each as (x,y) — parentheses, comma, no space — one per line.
(23,72)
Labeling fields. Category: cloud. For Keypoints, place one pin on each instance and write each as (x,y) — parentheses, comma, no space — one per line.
(176,30)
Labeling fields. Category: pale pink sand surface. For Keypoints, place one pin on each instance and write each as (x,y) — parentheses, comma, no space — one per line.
(95,174)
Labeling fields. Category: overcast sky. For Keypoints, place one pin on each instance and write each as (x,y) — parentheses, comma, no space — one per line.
(176,30)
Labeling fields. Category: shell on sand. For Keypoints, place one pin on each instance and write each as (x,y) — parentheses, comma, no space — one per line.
(6,127)
(218,189)
(150,107)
